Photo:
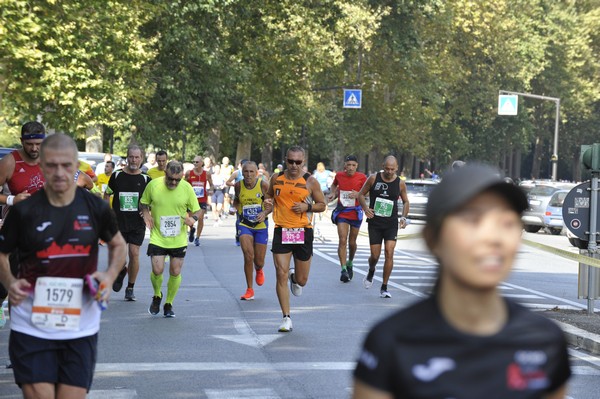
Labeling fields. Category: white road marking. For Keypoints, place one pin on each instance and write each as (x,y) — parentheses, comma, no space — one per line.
(112,394)
(247,336)
(586,357)
(266,393)
(225,366)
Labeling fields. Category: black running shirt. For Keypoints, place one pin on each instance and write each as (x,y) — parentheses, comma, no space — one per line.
(57,241)
(416,354)
(127,191)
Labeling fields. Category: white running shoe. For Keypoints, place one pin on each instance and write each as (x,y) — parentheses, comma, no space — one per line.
(367,283)
(286,326)
(384,294)
(294,287)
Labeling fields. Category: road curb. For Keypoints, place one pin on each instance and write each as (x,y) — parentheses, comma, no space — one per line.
(581,338)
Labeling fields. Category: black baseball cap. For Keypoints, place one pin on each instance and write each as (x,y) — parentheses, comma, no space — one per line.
(351,158)
(458,186)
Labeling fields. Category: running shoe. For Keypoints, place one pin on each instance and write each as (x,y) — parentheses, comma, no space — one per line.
(129,295)
(248,296)
(168,309)
(191,235)
(295,287)
(260,277)
(368,280)
(384,294)
(286,326)
(155,305)
(197,242)
(118,283)
(344,278)
(350,271)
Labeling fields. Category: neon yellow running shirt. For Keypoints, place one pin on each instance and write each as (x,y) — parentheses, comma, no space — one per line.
(169,209)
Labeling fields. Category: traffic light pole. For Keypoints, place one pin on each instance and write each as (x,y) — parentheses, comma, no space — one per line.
(554,157)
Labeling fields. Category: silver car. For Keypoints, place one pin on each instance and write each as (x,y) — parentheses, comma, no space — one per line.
(417,192)
(538,198)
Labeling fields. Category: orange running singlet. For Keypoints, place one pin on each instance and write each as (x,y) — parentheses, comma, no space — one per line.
(286,192)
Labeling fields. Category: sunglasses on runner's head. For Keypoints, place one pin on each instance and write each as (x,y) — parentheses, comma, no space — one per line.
(294,161)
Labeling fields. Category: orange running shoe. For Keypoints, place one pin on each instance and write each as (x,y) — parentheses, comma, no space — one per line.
(260,277)
(248,296)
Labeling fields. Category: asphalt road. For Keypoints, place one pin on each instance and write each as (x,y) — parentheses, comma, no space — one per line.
(221,347)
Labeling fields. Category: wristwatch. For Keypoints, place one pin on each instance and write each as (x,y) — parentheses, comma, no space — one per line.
(195,217)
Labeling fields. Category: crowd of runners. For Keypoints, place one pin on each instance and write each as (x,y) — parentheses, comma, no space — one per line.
(55,221)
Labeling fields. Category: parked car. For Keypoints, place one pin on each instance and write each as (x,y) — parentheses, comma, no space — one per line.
(94,158)
(538,198)
(5,150)
(553,219)
(418,194)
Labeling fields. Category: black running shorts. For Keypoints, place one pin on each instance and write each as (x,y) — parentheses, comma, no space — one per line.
(69,362)
(301,252)
(135,237)
(155,250)
(379,234)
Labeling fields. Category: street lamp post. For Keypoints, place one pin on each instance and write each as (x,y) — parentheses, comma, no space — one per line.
(554,157)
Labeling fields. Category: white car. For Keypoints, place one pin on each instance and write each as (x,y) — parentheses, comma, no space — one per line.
(417,192)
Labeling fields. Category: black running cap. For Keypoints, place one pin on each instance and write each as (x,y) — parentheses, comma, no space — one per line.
(458,186)
(351,158)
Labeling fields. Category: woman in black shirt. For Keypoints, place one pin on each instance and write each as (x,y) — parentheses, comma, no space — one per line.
(466,340)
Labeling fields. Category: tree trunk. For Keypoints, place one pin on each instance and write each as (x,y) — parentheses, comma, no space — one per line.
(338,158)
(266,157)
(93,139)
(244,147)
(576,165)
(213,145)
(409,159)
(537,157)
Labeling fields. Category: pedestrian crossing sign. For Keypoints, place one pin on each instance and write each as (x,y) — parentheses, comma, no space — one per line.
(508,104)
(352,98)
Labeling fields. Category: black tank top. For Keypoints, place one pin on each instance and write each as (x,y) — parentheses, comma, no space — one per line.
(383,198)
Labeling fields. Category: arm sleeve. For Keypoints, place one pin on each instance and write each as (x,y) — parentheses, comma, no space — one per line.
(146,194)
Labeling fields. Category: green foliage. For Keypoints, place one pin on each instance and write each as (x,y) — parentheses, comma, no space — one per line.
(201,75)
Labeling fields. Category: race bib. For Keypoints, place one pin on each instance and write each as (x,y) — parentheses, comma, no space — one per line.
(128,202)
(383,207)
(292,236)
(170,226)
(199,191)
(57,303)
(250,212)
(345,199)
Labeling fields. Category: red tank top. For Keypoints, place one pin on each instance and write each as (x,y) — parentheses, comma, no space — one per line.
(198,182)
(25,177)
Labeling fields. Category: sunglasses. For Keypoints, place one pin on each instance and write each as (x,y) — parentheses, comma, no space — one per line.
(294,161)
(172,179)
(195,161)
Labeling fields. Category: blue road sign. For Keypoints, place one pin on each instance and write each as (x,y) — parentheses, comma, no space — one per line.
(352,98)
(508,104)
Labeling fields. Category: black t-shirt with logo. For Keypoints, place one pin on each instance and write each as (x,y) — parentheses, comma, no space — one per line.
(127,191)
(416,354)
(57,241)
